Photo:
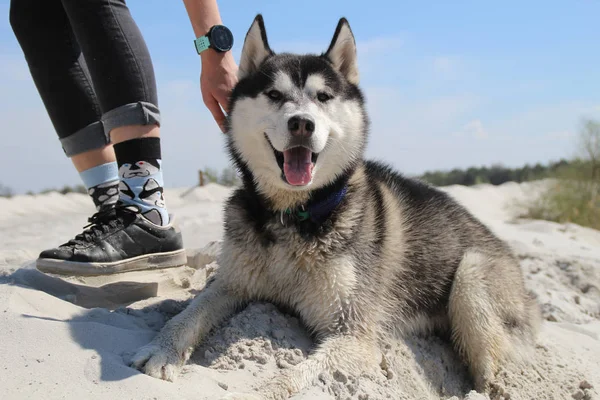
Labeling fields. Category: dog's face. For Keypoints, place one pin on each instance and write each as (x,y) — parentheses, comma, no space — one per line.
(138,169)
(297,122)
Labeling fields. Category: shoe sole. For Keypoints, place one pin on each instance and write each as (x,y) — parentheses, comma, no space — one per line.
(144,262)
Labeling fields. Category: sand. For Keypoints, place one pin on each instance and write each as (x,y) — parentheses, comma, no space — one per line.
(71,338)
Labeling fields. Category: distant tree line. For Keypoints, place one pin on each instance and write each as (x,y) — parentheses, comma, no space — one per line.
(495,174)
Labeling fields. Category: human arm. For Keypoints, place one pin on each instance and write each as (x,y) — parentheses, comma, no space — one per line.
(219,70)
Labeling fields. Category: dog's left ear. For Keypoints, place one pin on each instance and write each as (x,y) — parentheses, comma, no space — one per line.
(256,48)
(342,52)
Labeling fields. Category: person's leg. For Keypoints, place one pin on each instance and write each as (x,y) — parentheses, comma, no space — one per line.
(123,75)
(137,233)
(62,79)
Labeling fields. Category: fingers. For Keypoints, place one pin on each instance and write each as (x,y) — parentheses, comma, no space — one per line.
(223,99)
(216,82)
(215,110)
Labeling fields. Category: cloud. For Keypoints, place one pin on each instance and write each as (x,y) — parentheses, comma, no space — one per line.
(560,135)
(179,90)
(446,67)
(445,64)
(444,132)
(473,129)
(367,47)
(378,45)
(410,133)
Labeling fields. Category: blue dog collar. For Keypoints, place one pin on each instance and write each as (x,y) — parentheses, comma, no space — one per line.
(319,211)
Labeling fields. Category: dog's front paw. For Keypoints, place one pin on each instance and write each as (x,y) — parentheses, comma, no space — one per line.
(241,396)
(159,361)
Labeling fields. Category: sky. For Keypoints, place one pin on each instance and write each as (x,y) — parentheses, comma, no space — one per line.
(448,84)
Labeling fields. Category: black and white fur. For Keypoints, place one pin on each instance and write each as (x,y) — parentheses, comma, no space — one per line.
(396,255)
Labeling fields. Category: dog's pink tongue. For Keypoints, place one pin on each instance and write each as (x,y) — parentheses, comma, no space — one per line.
(297,166)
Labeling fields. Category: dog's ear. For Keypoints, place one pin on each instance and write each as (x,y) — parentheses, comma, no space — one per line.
(256,48)
(342,52)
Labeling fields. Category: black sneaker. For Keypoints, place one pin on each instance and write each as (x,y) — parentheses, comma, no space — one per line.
(118,239)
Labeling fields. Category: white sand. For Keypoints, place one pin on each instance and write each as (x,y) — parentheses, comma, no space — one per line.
(71,338)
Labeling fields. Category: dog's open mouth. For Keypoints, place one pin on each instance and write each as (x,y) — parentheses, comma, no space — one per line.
(296,164)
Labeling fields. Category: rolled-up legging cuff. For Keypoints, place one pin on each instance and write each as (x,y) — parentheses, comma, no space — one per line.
(97,134)
(140,113)
(91,137)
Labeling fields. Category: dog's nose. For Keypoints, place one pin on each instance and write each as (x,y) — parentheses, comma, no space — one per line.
(301,126)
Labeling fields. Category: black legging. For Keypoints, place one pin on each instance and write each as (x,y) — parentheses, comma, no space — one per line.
(91,66)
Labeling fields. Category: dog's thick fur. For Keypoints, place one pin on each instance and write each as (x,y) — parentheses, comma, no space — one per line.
(395,254)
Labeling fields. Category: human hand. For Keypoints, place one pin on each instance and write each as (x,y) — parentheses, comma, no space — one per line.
(217,79)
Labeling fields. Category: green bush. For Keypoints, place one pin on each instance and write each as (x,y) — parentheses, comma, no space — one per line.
(573,199)
(228,176)
(574,195)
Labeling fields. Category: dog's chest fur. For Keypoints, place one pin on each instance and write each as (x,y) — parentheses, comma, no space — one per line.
(309,275)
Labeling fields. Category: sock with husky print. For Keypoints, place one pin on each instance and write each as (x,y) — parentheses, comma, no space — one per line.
(141,181)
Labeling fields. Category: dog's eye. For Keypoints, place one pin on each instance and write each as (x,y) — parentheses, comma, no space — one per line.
(274,94)
(323,97)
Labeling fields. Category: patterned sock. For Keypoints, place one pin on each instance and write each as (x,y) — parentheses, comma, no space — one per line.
(141,181)
(102,184)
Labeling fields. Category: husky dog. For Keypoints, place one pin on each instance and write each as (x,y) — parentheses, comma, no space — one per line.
(351,245)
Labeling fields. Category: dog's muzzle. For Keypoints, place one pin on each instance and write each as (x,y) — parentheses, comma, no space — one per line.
(298,160)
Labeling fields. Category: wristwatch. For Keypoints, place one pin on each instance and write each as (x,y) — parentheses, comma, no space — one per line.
(219,38)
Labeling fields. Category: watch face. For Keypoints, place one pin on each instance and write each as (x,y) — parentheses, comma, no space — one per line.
(221,38)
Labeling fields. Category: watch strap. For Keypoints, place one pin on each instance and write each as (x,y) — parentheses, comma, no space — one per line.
(202,43)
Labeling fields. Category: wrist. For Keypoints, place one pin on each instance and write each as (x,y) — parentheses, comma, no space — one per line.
(201,28)
(212,56)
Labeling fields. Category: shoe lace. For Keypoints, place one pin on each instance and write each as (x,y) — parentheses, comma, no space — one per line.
(102,222)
